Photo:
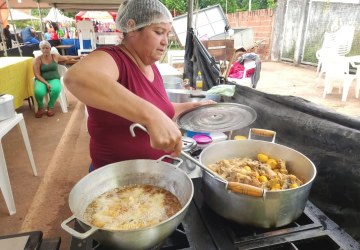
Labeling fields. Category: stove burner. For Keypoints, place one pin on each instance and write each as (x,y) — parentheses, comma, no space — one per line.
(204,229)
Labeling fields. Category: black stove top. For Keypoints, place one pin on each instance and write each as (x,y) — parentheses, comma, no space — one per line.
(204,229)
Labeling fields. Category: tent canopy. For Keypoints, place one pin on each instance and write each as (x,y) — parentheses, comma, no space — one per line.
(77,5)
(25,4)
(96,15)
(19,15)
(55,15)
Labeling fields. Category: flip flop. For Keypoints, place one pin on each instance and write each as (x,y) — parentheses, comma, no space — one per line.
(39,113)
(50,112)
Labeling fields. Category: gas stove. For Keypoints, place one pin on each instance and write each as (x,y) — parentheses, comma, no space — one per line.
(204,229)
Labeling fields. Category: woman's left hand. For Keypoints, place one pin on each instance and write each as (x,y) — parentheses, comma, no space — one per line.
(206,102)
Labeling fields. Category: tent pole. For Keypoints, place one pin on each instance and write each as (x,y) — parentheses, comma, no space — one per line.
(41,22)
(190,14)
(12,23)
(3,43)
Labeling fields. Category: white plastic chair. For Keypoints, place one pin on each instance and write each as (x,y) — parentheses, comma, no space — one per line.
(175,57)
(53,50)
(356,64)
(336,68)
(14,43)
(62,97)
(335,44)
(5,127)
(86,32)
(326,48)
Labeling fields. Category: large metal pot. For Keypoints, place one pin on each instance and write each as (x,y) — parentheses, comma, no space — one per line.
(157,173)
(275,208)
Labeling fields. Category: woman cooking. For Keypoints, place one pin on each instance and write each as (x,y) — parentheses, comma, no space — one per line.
(121,85)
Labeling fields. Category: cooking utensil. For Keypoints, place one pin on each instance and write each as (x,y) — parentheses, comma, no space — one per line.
(277,208)
(120,174)
(218,117)
(236,187)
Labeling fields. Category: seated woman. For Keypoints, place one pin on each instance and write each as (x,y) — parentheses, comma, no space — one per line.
(47,77)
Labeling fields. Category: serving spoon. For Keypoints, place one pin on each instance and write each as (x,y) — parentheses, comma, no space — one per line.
(235,187)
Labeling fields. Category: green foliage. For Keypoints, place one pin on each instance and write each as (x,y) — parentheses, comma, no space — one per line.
(36,13)
(21,24)
(177,6)
(181,7)
(256,4)
(230,8)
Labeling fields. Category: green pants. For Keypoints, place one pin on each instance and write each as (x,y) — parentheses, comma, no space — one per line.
(41,91)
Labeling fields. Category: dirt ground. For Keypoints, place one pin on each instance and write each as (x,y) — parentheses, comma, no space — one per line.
(60,149)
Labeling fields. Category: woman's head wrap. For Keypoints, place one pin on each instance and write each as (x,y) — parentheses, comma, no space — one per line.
(143,13)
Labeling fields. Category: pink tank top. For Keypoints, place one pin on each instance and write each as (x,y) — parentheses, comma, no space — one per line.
(110,138)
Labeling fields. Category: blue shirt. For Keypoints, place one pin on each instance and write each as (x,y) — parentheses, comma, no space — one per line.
(26,34)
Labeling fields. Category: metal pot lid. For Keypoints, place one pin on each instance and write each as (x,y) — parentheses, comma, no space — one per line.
(219,117)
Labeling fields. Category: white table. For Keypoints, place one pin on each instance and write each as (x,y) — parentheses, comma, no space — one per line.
(5,127)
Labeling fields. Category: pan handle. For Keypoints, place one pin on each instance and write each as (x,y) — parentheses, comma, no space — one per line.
(262,132)
(75,233)
(137,125)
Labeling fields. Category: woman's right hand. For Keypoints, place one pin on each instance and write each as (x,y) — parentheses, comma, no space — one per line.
(48,86)
(165,135)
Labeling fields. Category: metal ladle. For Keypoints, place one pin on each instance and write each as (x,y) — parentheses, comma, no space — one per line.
(236,187)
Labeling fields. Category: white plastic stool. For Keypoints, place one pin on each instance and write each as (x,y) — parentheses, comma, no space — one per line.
(5,127)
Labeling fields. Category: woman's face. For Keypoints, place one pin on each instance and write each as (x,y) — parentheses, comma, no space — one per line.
(150,43)
(45,50)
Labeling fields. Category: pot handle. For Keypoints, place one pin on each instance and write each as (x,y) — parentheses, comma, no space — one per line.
(75,233)
(245,189)
(262,132)
(179,160)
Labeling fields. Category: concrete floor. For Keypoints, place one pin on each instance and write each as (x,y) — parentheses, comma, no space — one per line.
(60,148)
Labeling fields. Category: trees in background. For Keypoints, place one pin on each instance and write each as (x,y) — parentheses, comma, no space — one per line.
(178,7)
(256,4)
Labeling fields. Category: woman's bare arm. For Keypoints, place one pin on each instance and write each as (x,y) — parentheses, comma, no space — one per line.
(93,80)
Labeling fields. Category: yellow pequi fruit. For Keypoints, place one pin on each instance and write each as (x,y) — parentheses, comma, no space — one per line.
(247,168)
(272,163)
(262,158)
(262,178)
(276,187)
